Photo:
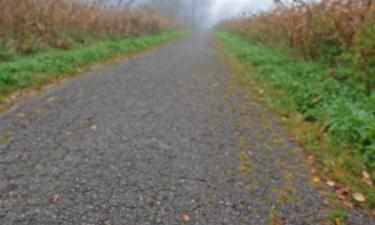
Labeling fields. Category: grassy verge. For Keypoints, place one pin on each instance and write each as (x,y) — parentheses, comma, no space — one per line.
(332,121)
(45,67)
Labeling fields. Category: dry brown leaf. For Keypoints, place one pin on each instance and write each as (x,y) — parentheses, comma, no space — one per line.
(21,115)
(342,191)
(359,197)
(54,199)
(316,179)
(93,127)
(311,159)
(338,221)
(342,197)
(315,171)
(348,204)
(279,221)
(186,218)
(366,175)
(368,182)
(373,212)
(322,130)
(331,183)
(51,99)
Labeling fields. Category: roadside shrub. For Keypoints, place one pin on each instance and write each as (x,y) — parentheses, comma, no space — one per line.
(346,111)
(29,26)
(335,32)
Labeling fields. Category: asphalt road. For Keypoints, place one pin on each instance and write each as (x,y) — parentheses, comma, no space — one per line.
(149,140)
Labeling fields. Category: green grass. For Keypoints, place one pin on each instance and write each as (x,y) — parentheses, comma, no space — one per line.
(337,214)
(314,102)
(44,67)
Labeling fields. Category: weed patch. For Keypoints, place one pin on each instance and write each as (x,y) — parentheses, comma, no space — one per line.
(44,67)
(332,120)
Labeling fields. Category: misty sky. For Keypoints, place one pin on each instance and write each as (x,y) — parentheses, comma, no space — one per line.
(221,9)
(207,12)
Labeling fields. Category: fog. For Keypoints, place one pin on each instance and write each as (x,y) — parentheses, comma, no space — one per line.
(206,13)
(223,9)
(203,13)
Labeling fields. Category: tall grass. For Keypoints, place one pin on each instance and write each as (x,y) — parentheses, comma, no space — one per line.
(337,89)
(297,87)
(29,26)
(340,32)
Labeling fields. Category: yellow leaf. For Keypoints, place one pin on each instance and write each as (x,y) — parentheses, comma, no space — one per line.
(186,218)
(331,183)
(316,179)
(366,175)
(359,197)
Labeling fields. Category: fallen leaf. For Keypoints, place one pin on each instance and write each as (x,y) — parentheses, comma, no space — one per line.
(373,212)
(311,159)
(279,221)
(54,199)
(186,218)
(21,115)
(316,100)
(13,97)
(93,127)
(331,183)
(342,191)
(342,197)
(359,197)
(275,220)
(316,179)
(51,99)
(366,175)
(348,204)
(250,153)
(322,130)
(338,221)
(315,171)
(369,183)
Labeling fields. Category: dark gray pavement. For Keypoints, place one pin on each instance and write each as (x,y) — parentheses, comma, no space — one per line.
(145,141)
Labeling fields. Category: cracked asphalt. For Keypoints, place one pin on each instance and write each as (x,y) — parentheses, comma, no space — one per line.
(145,141)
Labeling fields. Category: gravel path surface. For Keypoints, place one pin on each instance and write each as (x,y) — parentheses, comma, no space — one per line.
(145,141)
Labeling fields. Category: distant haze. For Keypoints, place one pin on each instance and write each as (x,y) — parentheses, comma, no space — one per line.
(223,9)
(204,13)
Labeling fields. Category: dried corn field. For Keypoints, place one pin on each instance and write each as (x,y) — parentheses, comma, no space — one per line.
(28,26)
(336,32)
